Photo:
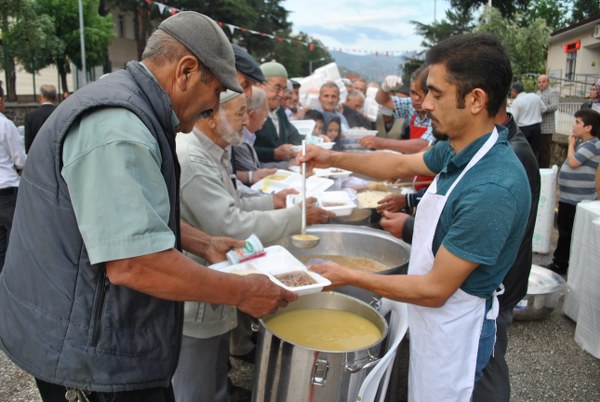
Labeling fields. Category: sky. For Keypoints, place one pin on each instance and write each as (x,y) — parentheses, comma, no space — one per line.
(364,25)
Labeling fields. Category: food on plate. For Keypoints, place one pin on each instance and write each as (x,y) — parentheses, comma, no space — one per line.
(378,186)
(323,329)
(277,177)
(356,263)
(369,199)
(295,279)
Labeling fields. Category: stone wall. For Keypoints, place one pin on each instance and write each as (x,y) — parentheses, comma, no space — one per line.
(558,149)
(16,111)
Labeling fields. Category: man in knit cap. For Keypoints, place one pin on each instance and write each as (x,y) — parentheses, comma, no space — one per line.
(92,289)
(275,140)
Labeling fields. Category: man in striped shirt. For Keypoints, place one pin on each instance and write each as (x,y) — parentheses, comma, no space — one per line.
(576,181)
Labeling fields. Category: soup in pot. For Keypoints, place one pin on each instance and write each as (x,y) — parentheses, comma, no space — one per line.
(322,329)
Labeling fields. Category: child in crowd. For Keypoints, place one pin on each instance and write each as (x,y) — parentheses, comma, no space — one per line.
(334,132)
(318,119)
(576,181)
(317,133)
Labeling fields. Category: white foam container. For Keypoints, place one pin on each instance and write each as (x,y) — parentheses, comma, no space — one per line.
(357,133)
(337,197)
(544,220)
(276,261)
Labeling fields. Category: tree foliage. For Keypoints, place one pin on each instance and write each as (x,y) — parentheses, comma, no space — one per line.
(27,38)
(457,22)
(507,8)
(98,33)
(554,12)
(583,9)
(527,44)
(268,16)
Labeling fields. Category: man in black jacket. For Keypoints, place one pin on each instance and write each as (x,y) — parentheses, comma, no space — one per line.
(37,117)
(276,139)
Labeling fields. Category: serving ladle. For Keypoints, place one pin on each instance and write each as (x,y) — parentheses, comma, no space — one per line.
(304,240)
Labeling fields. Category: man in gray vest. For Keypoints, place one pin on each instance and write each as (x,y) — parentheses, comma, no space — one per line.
(90,297)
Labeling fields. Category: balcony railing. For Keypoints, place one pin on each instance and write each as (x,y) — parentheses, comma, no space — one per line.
(564,116)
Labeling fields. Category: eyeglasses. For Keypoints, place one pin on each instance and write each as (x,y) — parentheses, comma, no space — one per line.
(277,88)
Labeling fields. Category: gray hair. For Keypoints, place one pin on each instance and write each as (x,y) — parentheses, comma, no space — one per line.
(257,100)
(162,47)
(354,93)
(330,84)
(48,92)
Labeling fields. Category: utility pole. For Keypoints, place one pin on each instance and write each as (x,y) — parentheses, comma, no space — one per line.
(82,41)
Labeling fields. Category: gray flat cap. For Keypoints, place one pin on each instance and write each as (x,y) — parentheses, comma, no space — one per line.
(246,64)
(207,41)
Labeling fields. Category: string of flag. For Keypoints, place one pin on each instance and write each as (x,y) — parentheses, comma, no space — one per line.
(169,10)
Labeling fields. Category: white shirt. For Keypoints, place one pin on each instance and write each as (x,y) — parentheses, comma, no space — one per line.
(527,109)
(12,153)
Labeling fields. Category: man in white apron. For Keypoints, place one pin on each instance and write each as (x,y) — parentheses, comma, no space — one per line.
(469,224)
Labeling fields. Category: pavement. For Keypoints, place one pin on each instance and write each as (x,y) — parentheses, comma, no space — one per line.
(545,363)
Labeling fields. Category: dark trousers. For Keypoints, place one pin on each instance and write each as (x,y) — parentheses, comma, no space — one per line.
(494,385)
(533,134)
(8,200)
(56,393)
(545,153)
(564,221)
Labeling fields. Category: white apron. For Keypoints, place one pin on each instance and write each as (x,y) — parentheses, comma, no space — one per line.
(443,341)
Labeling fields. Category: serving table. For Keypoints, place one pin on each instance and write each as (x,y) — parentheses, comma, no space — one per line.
(582,303)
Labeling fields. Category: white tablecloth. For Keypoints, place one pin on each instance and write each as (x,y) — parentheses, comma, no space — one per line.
(582,303)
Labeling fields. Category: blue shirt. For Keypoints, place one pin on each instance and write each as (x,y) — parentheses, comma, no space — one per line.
(485,216)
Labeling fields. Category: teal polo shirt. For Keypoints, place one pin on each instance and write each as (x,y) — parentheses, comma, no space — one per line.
(111,164)
(485,216)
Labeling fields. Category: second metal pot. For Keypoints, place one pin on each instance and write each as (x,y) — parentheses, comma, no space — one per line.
(286,372)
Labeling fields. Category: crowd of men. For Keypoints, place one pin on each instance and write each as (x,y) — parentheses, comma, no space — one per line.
(137,182)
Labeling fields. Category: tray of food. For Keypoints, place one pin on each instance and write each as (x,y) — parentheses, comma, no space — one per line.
(282,268)
(283,179)
(338,202)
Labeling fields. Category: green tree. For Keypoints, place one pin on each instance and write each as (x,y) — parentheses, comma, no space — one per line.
(507,8)
(457,22)
(554,12)
(269,17)
(583,9)
(98,33)
(10,14)
(37,40)
(526,44)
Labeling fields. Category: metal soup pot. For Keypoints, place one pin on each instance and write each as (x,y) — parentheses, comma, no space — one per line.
(357,241)
(544,290)
(288,372)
